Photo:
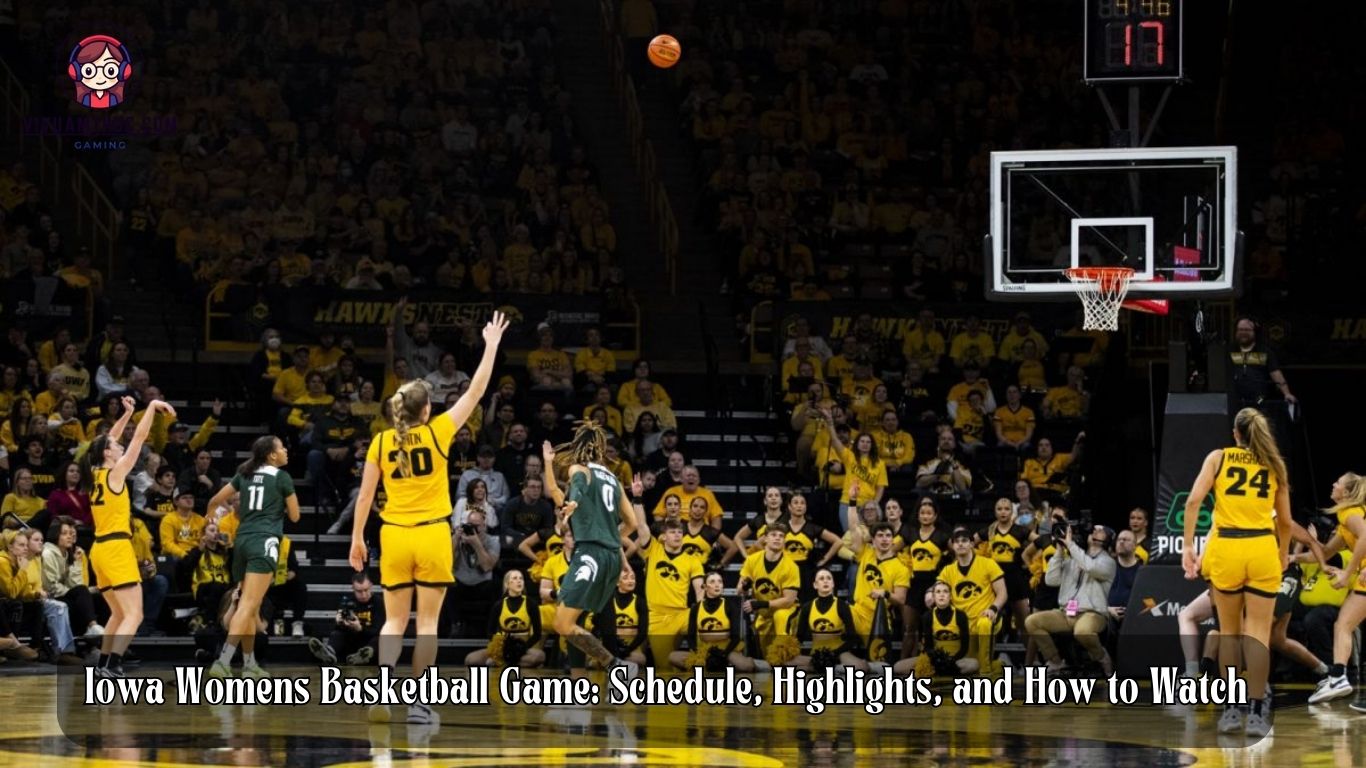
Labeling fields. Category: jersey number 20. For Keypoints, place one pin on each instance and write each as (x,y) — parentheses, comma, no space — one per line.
(419,461)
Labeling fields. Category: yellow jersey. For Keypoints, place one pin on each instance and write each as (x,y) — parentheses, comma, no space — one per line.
(874,574)
(424,495)
(111,510)
(669,577)
(1244,492)
(769,579)
(871,476)
(514,616)
(972,586)
(1348,538)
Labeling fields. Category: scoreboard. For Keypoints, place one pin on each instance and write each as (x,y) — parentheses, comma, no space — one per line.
(1133,41)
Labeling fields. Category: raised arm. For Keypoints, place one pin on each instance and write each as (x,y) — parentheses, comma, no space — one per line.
(552,488)
(633,512)
(493,334)
(129,404)
(130,454)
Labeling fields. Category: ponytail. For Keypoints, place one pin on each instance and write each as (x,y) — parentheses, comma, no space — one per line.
(1256,432)
(405,411)
(261,450)
(1354,494)
(87,463)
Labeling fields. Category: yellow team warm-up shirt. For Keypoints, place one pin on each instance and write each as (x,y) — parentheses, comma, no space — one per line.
(425,495)
(870,478)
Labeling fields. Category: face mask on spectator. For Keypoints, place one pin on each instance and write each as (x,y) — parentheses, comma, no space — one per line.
(273,343)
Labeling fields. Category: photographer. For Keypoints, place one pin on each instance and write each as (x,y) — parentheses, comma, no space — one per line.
(358,620)
(943,474)
(1083,579)
(208,565)
(476,555)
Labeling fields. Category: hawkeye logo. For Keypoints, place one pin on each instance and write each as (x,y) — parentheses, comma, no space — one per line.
(873,575)
(824,626)
(922,555)
(796,549)
(692,550)
(945,636)
(1002,549)
(765,589)
(666,571)
(626,621)
(966,590)
(515,624)
(711,624)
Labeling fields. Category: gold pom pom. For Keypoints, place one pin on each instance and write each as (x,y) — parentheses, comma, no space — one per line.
(924,668)
(696,659)
(495,650)
(782,649)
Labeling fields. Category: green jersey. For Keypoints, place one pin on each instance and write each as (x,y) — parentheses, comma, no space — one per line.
(262,507)
(595,518)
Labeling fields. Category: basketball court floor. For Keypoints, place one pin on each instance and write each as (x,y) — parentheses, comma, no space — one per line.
(45,725)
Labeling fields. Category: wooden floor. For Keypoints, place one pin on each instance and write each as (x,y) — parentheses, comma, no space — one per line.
(43,723)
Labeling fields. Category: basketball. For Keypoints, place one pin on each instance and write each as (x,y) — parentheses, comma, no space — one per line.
(665,51)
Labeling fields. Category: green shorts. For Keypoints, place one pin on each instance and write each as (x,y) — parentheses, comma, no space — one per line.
(254,553)
(592,578)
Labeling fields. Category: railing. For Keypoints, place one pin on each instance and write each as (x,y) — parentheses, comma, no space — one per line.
(97,220)
(663,222)
(48,149)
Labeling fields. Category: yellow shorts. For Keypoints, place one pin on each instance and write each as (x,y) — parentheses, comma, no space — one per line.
(421,555)
(666,626)
(115,564)
(1243,564)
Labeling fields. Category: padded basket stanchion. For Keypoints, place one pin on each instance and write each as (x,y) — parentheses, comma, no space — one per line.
(1101,290)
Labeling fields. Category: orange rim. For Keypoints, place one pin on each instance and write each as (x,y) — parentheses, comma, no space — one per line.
(1105,277)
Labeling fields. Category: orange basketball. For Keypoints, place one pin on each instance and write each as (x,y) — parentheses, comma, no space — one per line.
(665,51)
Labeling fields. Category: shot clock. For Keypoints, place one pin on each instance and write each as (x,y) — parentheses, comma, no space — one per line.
(1133,41)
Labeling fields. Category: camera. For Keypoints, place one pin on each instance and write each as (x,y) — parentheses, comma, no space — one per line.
(467,529)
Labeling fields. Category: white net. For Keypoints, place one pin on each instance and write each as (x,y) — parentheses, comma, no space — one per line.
(1101,290)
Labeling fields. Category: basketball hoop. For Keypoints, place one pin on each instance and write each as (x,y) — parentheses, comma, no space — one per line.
(1101,290)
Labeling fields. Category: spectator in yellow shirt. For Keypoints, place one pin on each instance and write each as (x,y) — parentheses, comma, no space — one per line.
(645,401)
(74,373)
(46,401)
(972,382)
(611,413)
(858,388)
(549,368)
(50,350)
(969,421)
(290,385)
(1020,332)
(689,488)
(972,345)
(1030,375)
(593,364)
(1067,403)
(626,393)
(180,531)
(895,446)
(861,463)
(1013,422)
(923,343)
(1047,471)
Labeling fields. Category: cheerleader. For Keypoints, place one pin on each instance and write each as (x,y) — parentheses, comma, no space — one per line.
(802,537)
(1003,541)
(624,621)
(924,555)
(700,538)
(827,625)
(714,633)
(946,631)
(755,528)
(514,629)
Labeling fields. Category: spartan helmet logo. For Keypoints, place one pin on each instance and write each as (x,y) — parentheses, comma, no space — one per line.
(966,590)
(515,624)
(691,549)
(795,547)
(873,576)
(711,624)
(273,548)
(765,589)
(824,626)
(945,636)
(588,571)
(666,571)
